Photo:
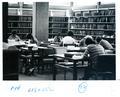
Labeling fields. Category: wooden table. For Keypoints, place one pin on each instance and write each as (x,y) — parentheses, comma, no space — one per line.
(73,59)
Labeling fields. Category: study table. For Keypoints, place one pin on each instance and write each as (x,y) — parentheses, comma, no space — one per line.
(37,54)
(73,59)
(67,53)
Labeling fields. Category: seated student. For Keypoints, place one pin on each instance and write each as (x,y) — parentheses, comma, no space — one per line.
(104,43)
(58,38)
(92,51)
(5,45)
(14,36)
(30,38)
(82,41)
(68,39)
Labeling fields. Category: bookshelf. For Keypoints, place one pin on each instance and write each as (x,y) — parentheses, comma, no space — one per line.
(20,19)
(57,24)
(22,24)
(99,21)
(96,20)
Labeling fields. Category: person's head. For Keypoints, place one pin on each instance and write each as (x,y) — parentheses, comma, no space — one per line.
(14,33)
(98,39)
(70,33)
(59,33)
(29,36)
(89,41)
(88,36)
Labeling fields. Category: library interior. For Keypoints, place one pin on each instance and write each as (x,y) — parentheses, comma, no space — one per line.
(42,41)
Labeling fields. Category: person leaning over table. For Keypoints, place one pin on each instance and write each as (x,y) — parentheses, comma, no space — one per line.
(82,41)
(104,43)
(14,36)
(58,37)
(93,50)
(30,38)
(68,39)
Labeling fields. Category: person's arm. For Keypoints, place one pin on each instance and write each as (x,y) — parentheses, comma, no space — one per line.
(75,42)
(18,38)
(85,55)
(61,43)
(10,37)
(55,39)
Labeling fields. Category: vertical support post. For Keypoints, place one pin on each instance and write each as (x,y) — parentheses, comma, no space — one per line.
(5,20)
(40,21)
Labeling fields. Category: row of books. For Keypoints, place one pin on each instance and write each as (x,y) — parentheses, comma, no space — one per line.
(20,24)
(107,12)
(103,34)
(58,19)
(84,33)
(20,18)
(93,26)
(93,19)
(20,31)
(96,12)
(58,30)
(58,25)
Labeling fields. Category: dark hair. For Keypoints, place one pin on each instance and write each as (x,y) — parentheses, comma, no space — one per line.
(29,36)
(59,33)
(89,41)
(70,33)
(98,39)
(14,32)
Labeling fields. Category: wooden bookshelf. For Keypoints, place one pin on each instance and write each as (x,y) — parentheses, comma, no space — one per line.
(99,21)
(90,20)
(57,24)
(22,24)
(20,19)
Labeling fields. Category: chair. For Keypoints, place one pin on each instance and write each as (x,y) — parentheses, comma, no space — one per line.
(105,66)
(10,64)
(47,60)
(29,57)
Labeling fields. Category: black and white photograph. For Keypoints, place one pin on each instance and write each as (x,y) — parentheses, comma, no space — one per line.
(50,41)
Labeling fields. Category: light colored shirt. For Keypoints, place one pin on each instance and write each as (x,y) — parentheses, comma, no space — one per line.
(106,44)
(16,37)
(93,50)
(68,40)
(5,45)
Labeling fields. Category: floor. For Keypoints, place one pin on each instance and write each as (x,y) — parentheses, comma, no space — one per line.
(49,76)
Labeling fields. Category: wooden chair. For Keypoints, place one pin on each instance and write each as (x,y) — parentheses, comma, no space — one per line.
(29,59)
(10,64)
(47,60)
(106,66)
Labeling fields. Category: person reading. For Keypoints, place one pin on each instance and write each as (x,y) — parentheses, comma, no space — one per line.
(14,36)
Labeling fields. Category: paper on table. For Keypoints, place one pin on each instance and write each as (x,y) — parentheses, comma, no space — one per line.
(77,56)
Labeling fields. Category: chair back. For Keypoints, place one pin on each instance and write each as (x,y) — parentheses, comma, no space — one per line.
(106,63)
(10,64)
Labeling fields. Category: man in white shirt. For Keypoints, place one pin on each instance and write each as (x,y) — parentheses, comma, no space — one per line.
(68,40)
